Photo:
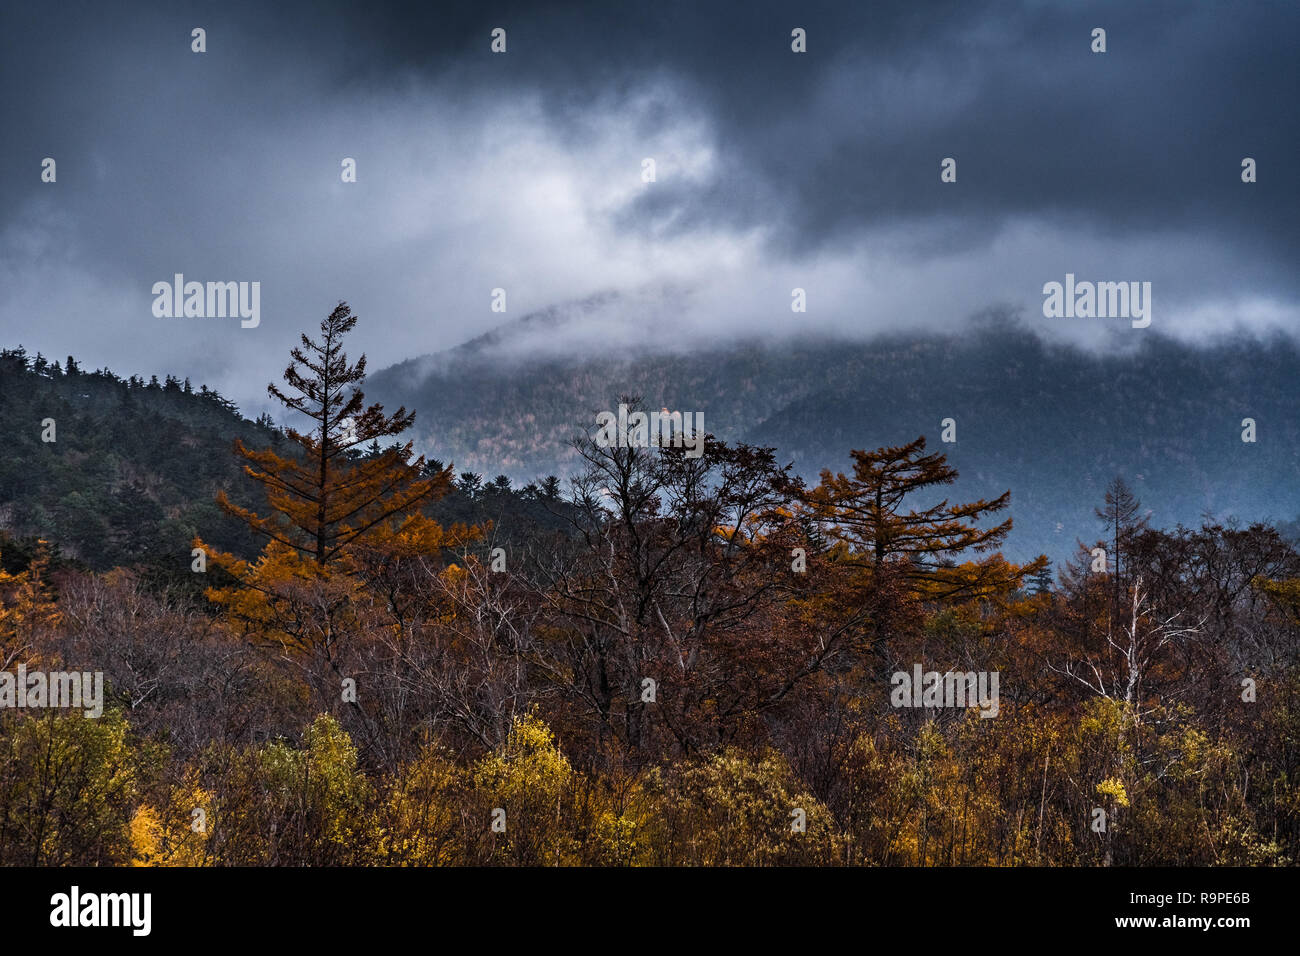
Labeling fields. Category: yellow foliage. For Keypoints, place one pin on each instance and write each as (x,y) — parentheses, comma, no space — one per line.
(174,835)
(420,817)
(25,607)
(528,777)
(1113,788)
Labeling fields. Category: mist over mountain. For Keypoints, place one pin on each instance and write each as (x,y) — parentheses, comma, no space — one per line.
(1053,423)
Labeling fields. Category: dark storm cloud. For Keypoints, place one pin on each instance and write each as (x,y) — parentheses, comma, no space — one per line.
(818,170)
(1148,136)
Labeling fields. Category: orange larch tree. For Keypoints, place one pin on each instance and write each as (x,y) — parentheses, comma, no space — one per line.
(871,514)
(325,501)
(337,522)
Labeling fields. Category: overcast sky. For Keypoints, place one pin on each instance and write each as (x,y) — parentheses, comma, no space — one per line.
(523,170)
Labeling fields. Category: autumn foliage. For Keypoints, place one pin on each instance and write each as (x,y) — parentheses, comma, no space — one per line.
(692,667)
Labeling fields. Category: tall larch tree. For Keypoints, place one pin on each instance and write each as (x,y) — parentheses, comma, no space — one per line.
(327,500)
(870,513)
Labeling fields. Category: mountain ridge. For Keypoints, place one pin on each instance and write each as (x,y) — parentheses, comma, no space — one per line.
(1051,422)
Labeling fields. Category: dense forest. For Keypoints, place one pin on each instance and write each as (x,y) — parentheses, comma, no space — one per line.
(666,660)
(133,469)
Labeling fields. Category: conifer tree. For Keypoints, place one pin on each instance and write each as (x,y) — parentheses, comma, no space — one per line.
(866,510)
(870,513)
(1123,519)
(326,500)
